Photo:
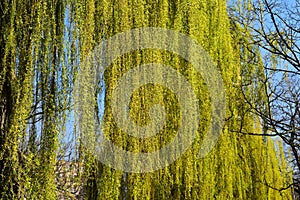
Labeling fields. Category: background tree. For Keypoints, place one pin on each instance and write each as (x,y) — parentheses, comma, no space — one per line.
(272,29)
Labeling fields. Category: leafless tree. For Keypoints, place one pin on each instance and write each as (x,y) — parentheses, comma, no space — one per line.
(273,28)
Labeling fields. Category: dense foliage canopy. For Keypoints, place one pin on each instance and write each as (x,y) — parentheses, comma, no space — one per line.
(43,45)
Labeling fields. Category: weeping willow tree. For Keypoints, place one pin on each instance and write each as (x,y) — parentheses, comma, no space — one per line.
(238,167)
(34,85)
(44,45)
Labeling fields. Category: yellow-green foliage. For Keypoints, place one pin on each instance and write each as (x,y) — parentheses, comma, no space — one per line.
(31,78)
(38,68)
(239,166)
